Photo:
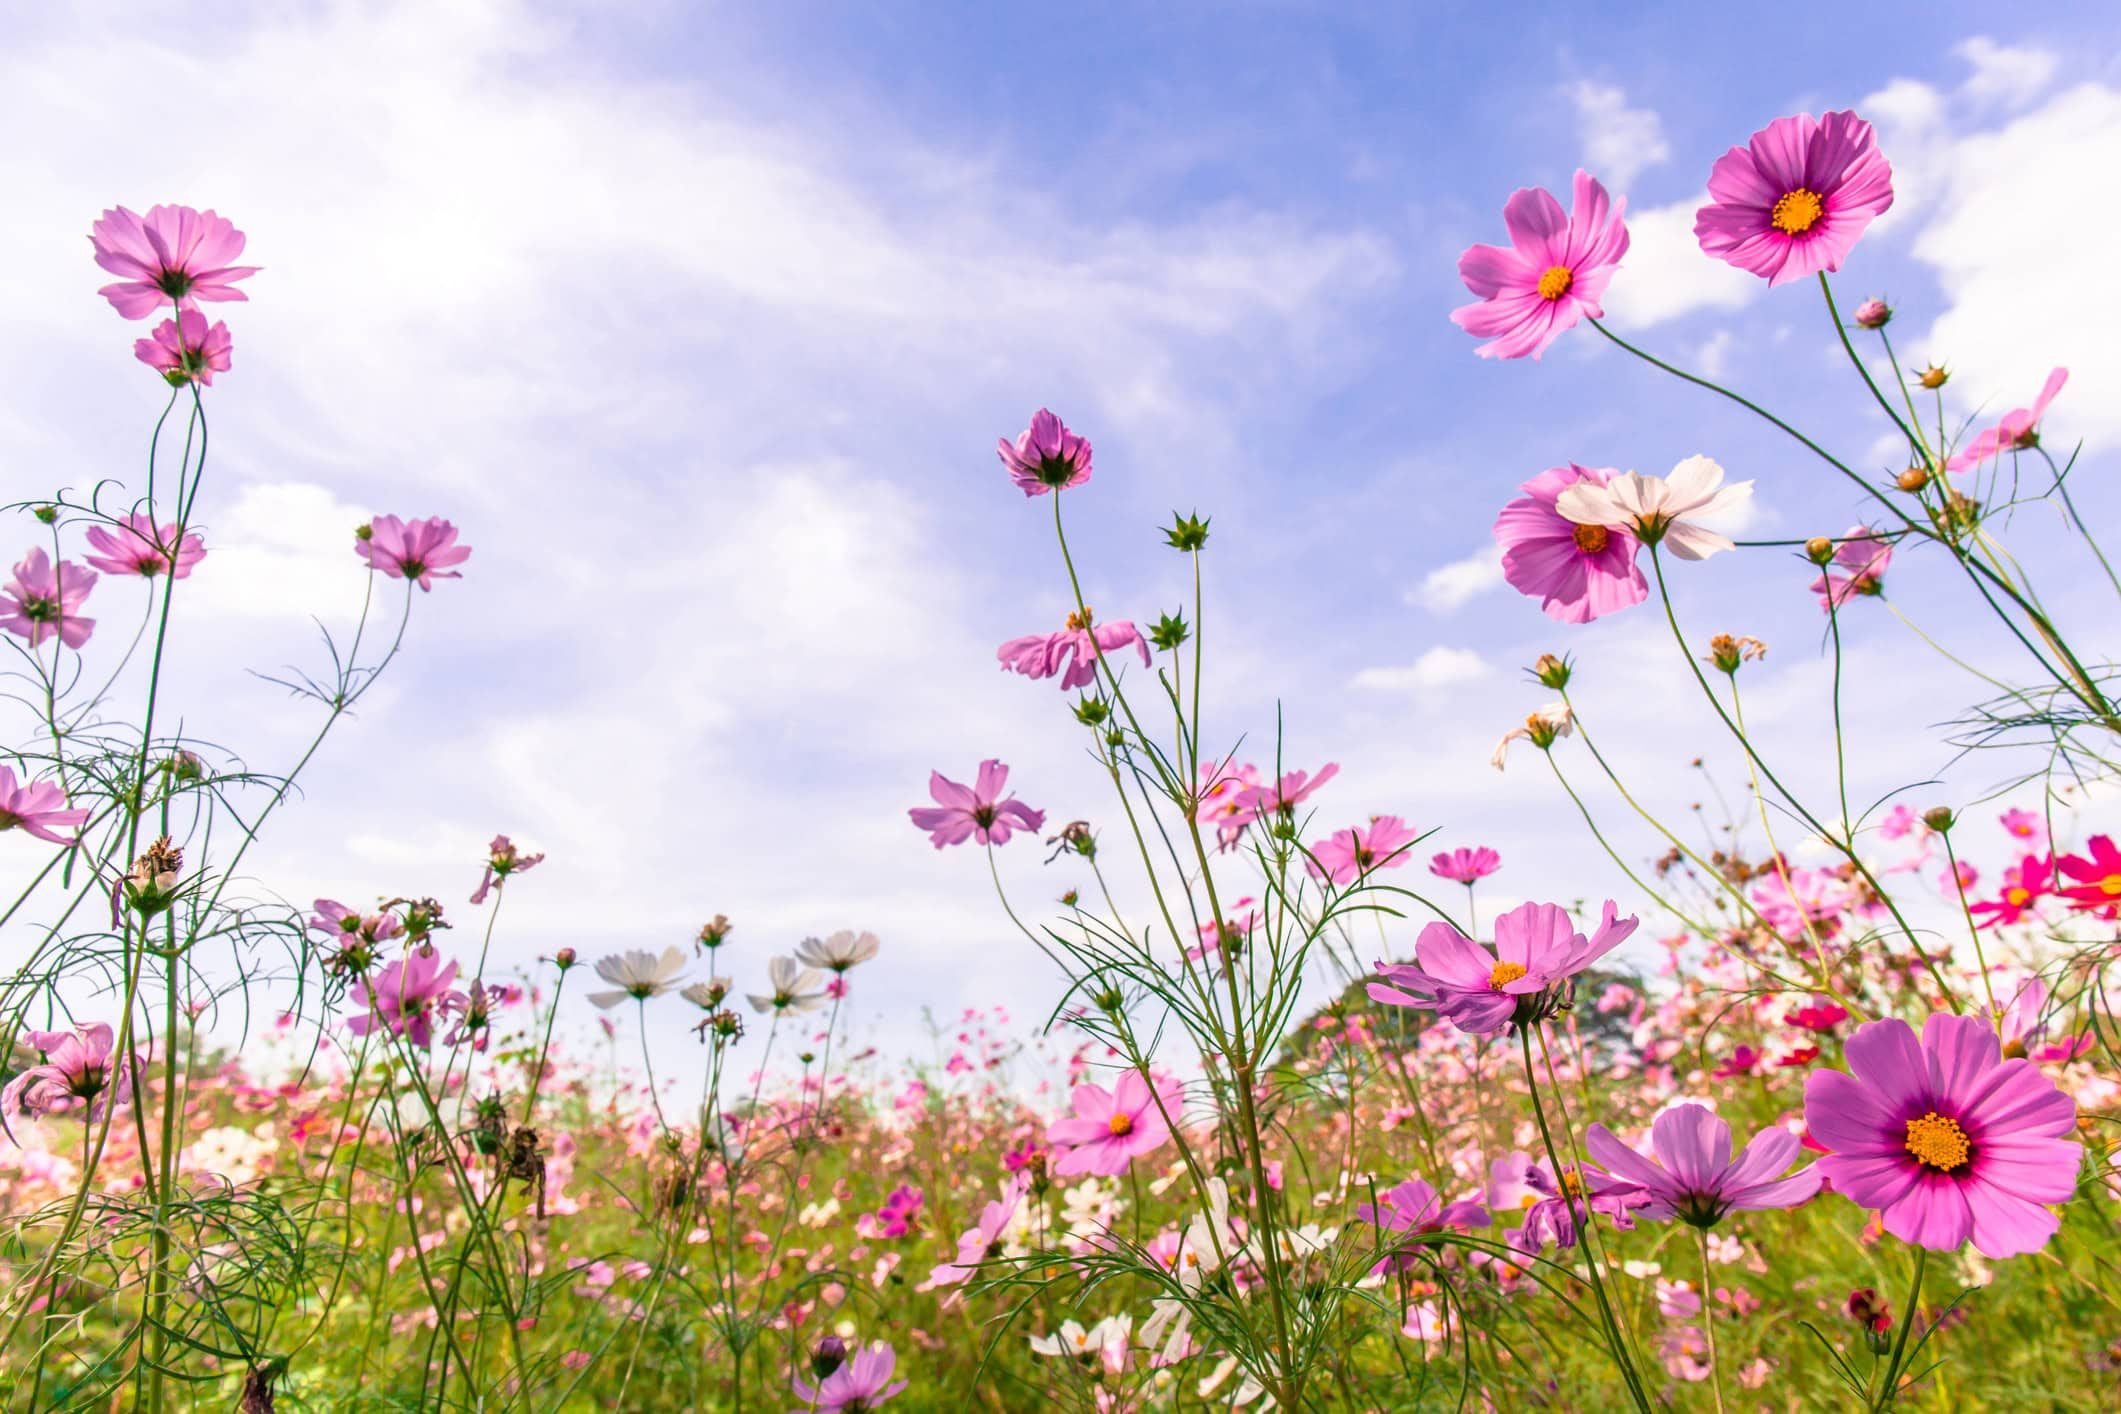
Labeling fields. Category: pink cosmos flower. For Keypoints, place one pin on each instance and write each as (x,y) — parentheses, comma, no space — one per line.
(1551,1209)
(76,1067)
(1415,1209)
(1819,896)
(336,920)
(1794,201)
(1112,1128)
(1553,272)
(502,860)
(977,812)
(1945,1139)
(1466,865)
(900,1209)
(2098,877)
(1743,1060)
(1224,799)
(1350,854)
(408,996)
(173,255)
(1069,654)
(418,550)
(1577,572)
(41,600)
(183,350)
(982,1242)
(1695,1178)
(2025,825)
(2018,431)
(37,808)
(1858,567)
(1817,1016)
(863,1383)
(138,546)
(1046,456)
(1283,796)
(1537,950)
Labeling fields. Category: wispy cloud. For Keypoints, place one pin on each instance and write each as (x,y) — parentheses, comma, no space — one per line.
(1452,586)
(1438,667)
(1619,142)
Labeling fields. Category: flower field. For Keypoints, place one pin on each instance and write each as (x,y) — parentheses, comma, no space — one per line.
(1296,1106)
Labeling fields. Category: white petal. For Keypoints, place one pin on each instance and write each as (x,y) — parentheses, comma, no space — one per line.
(1691,483)
(1692,542)
(1589,505)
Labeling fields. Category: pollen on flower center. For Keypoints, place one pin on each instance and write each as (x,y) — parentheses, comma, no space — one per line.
(1797,211)
(1120,1124)
(1591,539)
(2111,885)
(1937,1142)
(2018,898)
(1555,282)
(1504,974)
(1078,621)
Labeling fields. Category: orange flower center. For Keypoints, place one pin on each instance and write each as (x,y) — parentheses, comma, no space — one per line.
(1555,282)
(1504,974)
(1120,1124)
(1077,622)
(1591,539)
(2017,898)
(1797,211)
(1937,1142)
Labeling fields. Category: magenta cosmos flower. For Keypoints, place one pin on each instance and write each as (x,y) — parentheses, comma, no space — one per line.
(1070,654)
(1858,567)
(2018,431)
(76,1069)
(42,600)
(1794,200)
(2097,873)
(1046,456)
(1945,1139)
(863,1383)
(1415,1210)
(1352,853)
(183,350)
(1577,572)
(2025,883)
(1465,865)
(1694,1177)
(1537,949)
(418,550)
(37,808)
(975,812)
(1283,796)
(1112,1128)
(1551,1208)
(138,546)
(408,996)
(1553,272)
(173,255)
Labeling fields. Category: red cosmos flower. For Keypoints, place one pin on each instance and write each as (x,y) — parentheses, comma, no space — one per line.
(2098,886)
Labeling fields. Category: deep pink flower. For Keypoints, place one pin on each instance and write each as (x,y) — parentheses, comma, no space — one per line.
(1550,1214)
(173,255)
(408,996)
(1794,201)
(1858,567)
(976,812)
(1553,272)
(183,350)
(2018,431)
(1742,1061)
(2098,876)
(1112,1128)
(1695,1178)
(1817,1016)
(37,808)
(1466,865)
(982,1242)
(1283,796)
(41,601)
(862,1383)
(1351,853)
(2025,883)
(1415,1209)
(77,1067)
(1046,456)
(1577,572)
(901,1207)
(1537,949)
(1020,1156)
(418,550)
(138,546)
(502,860)
(1069,654)
(1944,1138)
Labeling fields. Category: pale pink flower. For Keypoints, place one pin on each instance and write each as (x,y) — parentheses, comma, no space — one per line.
(183,350)
(982,1242)
(2018,431)
(1070,654)
(42,600)
(138,546)
(37,808)
(418,550)
(1112,1128)
(173,255)
(1350,854)
(1858,567)
(1283,796)
(77,1067)
(502,860)
(408,997)
(1046,456)
(1224,799)
(1794,201)
(1553,272)
(1661,510)
(976,812)
(1465,865)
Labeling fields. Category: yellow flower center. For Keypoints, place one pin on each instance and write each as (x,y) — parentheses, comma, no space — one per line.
(2017,898)
(1504,974)
(1572,1183)
(1937,1142)
(1797,211)
(2110,885)
(1555,282)
(1591,539)
(1120,1124)
(1077,622)
(1530,1200)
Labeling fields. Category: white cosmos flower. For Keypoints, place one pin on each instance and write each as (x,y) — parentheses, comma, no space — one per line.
(795,988)
(1551,721)
(1661,510)
(839,952)
(1109,1339)
(637,974)
(707,995)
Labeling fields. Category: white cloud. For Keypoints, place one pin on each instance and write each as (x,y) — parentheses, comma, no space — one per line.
(2005,74)
(1451,586)
(1438,667)
(1665,274)
(1619,142)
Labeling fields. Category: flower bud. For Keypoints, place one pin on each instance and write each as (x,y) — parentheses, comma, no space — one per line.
(1933,377)
(364,531)
(1914,478)
(1116,739)
(1071,898)
(1939,818)
(1873,314)
(48,515)
(1186,532)
(564,958)
(1819,549)
(1551,671)
(827,1356)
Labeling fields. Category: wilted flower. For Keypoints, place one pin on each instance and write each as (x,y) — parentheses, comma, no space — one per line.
(173,255)
(1727,652)
(1553,272)
(794,988)
(714,932)
(1542,728)
(639,974)
(1046,456)
(42,600)
(151,883)
(419,550)
(36,808)
(502,860)
(1661,510)
(1794,201)
(707,995)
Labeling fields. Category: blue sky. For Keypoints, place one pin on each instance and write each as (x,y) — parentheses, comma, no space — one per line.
(702,324)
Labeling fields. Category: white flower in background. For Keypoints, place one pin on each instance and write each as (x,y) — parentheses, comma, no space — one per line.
(1208,1239)
(707,995)
(1542,727)
(637,974)
(794,988)
(1168,1325)
(1091,1207)
(838,953)
(1659,509)
(1108,1340)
